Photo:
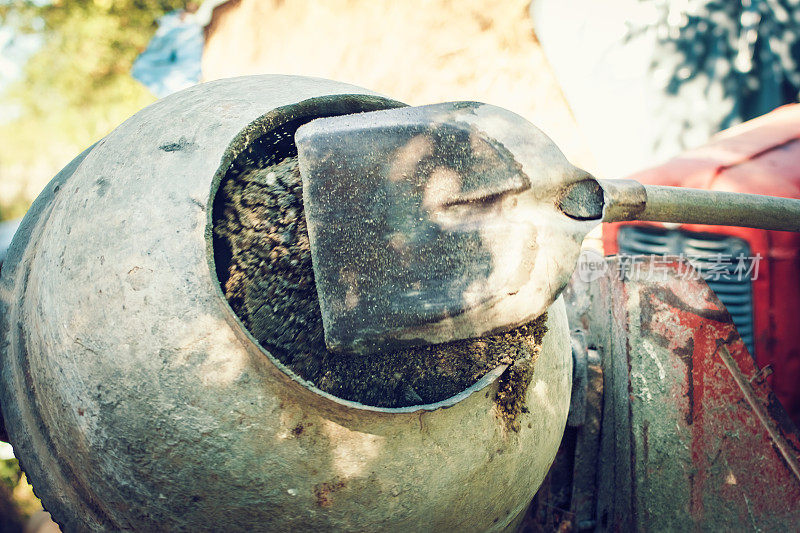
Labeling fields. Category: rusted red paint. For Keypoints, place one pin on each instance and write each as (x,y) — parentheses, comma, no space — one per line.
(691,436)
(744,454)
(760,157)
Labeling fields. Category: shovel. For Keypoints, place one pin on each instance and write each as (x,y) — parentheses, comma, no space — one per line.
(450,221)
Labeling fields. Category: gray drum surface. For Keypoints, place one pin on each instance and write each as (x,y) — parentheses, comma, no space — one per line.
(137,401)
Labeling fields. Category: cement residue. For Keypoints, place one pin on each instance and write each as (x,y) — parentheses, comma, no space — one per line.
(270,286)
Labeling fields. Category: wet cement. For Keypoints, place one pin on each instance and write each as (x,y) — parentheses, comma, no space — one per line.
(269,282)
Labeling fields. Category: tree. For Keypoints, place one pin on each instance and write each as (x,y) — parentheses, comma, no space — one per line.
(77,86)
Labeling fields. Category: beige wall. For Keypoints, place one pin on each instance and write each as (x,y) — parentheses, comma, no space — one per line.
(417,51)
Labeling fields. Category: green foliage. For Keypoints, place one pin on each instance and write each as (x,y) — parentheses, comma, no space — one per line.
(14,207)
(77,87)
(17,487)
(10,473)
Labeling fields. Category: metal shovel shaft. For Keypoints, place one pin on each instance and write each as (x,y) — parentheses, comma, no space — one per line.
(721,208)
(625,200)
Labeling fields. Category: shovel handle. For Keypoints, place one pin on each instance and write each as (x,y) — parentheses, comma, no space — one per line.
(630,200)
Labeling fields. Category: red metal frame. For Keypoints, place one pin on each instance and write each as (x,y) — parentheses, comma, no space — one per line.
(680,429)
(761,156)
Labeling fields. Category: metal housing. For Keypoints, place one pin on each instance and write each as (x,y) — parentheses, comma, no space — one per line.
(136,400)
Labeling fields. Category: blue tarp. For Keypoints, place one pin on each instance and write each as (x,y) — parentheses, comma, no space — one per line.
(171,61)
(7,231)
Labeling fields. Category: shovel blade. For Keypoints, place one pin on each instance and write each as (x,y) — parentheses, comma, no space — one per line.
(413,223)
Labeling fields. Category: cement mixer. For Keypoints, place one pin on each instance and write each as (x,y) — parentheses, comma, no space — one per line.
(138,398)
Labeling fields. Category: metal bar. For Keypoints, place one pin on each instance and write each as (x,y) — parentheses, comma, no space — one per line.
(623,201)
(758,408)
